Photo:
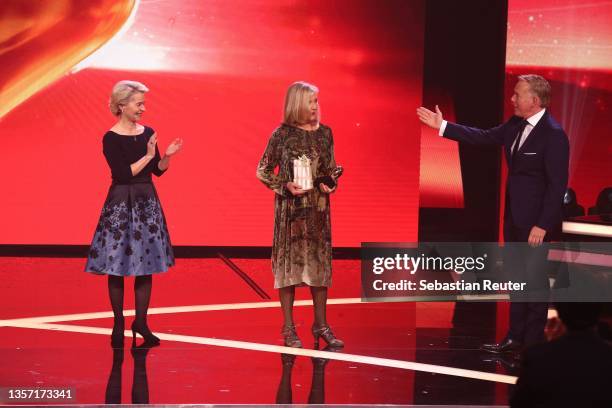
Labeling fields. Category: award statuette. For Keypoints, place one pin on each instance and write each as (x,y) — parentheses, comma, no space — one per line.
(330,181)
(302,174)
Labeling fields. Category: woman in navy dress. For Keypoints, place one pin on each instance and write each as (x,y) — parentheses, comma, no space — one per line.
(131,238)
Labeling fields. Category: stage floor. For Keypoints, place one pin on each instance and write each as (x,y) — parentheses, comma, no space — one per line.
(221,341)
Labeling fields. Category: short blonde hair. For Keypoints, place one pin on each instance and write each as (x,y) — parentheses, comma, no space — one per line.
(296,103)
(122,92)
(539,87)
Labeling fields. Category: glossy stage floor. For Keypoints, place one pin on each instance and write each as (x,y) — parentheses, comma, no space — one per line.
(221,341)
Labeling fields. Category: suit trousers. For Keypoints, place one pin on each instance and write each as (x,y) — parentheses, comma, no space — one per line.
(522,263)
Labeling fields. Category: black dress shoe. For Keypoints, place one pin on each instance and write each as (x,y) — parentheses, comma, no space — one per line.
(506,346)
(506,361)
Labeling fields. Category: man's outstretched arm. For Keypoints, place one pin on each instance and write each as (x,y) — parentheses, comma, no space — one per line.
(461,133)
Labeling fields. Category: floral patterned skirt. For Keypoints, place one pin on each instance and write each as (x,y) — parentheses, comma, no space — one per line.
(131,238)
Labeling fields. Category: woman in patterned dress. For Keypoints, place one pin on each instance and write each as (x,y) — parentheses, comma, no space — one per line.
(131,238)
(301,251)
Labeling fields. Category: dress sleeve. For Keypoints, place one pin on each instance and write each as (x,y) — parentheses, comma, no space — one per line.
(269,161)
(154,163)
(119,165)
(328,162)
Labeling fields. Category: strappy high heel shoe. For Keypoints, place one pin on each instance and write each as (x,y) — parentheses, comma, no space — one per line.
(150,339)
(291,337)
(327,335)
(117,336)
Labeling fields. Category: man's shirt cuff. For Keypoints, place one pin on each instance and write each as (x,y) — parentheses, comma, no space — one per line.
(442,128)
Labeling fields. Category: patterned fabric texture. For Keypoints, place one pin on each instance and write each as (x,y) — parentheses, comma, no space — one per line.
(301,251)
(131,238)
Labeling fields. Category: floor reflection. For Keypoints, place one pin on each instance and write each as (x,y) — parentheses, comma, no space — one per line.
(140,384)
(284,395)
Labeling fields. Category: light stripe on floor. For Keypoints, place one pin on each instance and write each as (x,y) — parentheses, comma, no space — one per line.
(47,323)
(169,310)
(354,358)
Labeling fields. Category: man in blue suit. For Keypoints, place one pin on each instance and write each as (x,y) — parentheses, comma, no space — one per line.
(537,153)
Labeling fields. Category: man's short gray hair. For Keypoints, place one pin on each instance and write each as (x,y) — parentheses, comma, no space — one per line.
(539,86)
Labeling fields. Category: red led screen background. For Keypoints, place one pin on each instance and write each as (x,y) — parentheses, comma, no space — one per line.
(440,182)
(217,71)
(569,43)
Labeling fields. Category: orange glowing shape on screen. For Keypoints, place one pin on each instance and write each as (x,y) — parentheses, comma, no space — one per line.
(42,40)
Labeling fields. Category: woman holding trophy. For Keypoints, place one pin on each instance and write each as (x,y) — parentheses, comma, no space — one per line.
(303,150)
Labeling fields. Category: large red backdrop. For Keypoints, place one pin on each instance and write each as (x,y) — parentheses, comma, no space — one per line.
(568,42)
(218,71)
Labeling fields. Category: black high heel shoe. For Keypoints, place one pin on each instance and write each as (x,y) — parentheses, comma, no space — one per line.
(117,336)
(150,340)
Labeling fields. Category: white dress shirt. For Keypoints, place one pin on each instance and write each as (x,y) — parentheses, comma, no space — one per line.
(532,121)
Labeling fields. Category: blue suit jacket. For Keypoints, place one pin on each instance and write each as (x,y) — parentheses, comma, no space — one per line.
(537,177)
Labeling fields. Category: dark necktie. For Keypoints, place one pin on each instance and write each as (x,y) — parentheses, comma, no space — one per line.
(517,140)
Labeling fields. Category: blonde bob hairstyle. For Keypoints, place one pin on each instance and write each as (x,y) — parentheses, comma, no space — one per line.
(297,103)
(122,92)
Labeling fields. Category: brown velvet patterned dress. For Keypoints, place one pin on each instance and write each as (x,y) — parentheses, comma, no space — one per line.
(301,250)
